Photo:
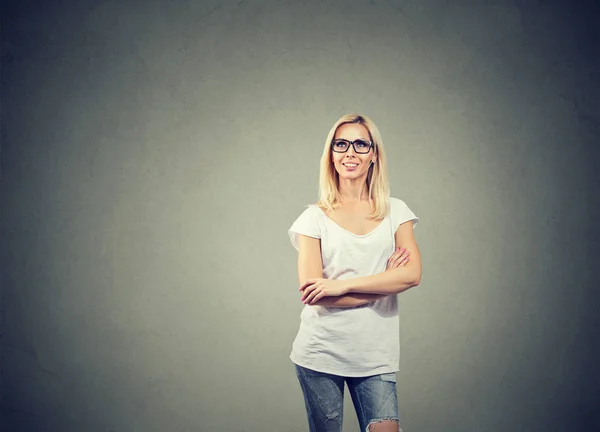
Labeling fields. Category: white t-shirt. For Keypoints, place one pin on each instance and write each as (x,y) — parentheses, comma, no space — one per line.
(358,341)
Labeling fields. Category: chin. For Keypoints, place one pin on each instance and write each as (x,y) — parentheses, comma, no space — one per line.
(353,175)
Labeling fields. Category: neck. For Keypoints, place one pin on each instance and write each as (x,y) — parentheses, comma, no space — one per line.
(353,191)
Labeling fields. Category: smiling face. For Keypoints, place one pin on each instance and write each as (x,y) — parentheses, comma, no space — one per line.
(352,165)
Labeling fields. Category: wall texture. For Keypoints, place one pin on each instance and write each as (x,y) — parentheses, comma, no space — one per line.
(155,153)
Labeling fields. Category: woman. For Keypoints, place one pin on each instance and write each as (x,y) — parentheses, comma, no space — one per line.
(353,248)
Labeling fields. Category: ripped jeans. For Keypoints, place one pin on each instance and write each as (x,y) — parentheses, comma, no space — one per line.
(374,399)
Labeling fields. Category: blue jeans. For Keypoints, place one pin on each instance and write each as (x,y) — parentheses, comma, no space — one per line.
(374,399)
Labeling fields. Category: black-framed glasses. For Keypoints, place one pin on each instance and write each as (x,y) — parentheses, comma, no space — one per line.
(360,145)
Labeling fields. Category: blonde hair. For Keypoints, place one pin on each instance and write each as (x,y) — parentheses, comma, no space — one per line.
(377,176)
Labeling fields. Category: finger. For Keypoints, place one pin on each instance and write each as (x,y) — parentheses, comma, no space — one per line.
(392,259)
(309,297)
(399,258)
(317,298)
(312,291)
(307,283)
(307,292)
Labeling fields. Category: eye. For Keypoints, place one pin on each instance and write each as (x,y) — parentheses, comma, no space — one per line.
(340,144)
(361,144)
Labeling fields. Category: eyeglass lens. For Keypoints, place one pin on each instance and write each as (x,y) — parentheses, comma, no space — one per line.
(360,146)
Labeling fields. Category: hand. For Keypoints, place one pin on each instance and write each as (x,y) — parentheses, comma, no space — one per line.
(315,289)
(399,258)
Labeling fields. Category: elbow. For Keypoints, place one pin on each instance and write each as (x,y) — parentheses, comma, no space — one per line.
(407,281)
(416,280)
(408,284)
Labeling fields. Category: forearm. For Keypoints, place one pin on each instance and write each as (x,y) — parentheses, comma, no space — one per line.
(348,300)
(392,281)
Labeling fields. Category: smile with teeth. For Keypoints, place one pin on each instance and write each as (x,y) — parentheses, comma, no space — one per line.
(350,165)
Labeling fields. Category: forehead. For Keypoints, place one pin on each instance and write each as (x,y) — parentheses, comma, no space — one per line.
(352,131)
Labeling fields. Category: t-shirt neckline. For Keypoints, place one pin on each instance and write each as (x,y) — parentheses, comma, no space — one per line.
(350,232)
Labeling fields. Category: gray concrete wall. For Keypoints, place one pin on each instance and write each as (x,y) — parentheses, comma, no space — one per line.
(154,155)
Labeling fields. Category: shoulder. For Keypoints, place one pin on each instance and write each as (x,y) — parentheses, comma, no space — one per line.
(397,203)
(401,212)
(307,224)
(312,211)
(396,200)
(309,210)
(311,215)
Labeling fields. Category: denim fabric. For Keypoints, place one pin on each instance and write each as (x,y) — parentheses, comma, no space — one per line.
(374,399)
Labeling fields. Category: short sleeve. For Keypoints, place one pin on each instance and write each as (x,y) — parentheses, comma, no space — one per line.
(307,224)
(400,213)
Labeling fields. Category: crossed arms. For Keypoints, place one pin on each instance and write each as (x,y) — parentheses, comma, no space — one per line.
(399,276)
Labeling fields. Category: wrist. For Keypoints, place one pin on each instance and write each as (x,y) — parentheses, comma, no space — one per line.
(348,286)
